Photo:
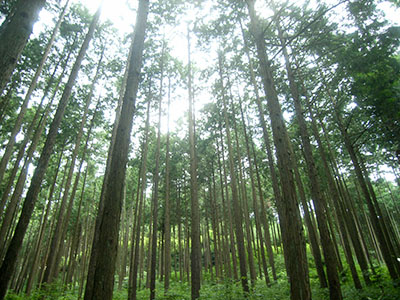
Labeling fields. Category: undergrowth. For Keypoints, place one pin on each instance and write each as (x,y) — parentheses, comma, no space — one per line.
(381,289)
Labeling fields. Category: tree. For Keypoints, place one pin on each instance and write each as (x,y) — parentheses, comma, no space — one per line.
(14,34)
(293,239)
(319,200)
(195,224)
(32,86)
(103,277)
(235,197)
(167,219)
(10,259)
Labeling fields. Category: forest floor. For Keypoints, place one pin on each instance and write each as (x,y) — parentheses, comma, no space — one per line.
(382,289)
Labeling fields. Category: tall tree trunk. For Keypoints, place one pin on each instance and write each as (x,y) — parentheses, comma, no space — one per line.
(255,207)
(103,277)
(88,240)
(291,226)
(93,250)
(76,235)
(133,270)
(347,204)
(342,213)
(230,240)
(8,264)
(319,200)
(17,126)
(63,216)
(167,222)
(33,272)
(312,232)
(156,176)
(54,213)
(19,185)
(267,144)
(14,34)
(194,201)
(179,221)
(215,228)
(384,242)
(235,199)
(244,201)
(34,124)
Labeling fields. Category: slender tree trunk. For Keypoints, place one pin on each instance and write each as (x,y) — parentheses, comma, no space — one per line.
(8,264)
(167,225)
(132,287)
(255,207)
(54,213)
(39,128)
(230,240)
(235,200)
(291,226)
(385,245)
(346,204)
(179,220)
(342,213)
(77,178)
(35,263)
(267,144)
(93,251)
(244,203)
(64,214)
(88,240)
(103,277)
(194,201)
(153,255)
(17,126)
(312,232)
(215,228)
(14,35)
(319,200)
(76,235)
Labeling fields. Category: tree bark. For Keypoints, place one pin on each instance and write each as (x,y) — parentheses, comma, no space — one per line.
(133,270)
(167,223)
(291,227)
(230,239)
(235,199)
(63,216)
(244,202)
(35,263)
(385,245)
(14,35)
(17,126)
(194,201)
(255,208)
(8,264)
(43,117)
(156,176)
(319,200)
(103,277)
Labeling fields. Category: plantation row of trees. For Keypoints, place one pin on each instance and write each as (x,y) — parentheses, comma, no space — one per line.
(277,177)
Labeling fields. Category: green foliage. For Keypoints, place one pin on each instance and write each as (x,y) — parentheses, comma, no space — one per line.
(12,296)
(383,289)
(53,291)
(227,290)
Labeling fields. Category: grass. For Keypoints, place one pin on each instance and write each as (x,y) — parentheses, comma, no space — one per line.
(382,289)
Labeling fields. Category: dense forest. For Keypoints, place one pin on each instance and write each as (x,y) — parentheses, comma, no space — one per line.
(204,150)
